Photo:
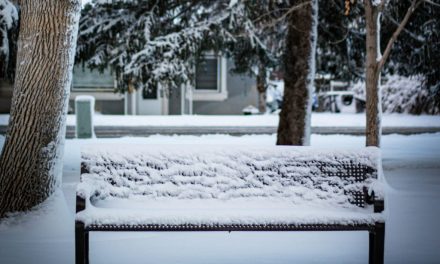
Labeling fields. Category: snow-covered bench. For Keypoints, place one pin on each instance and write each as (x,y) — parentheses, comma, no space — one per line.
(240,188)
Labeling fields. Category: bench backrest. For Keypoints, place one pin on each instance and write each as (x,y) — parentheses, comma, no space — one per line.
(301,174)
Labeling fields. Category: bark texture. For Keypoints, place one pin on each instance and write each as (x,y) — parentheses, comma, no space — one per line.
(31,159)
(298,76)
(374,64)
(373,104)
(261,88)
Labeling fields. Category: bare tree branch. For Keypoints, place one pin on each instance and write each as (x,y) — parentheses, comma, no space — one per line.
(409,12)
(432,3)
(411,34)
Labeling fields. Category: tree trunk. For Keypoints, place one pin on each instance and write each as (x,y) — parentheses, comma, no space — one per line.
(299,66)
(31,159)
(373,97)
(261,88)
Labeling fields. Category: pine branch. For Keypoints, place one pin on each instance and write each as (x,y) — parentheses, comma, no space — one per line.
(292,9)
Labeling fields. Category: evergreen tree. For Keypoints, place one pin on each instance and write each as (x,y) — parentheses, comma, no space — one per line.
(341,41)
(8,38)
(149,42)
(257,59)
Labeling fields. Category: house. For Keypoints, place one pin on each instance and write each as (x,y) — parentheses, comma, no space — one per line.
(216,91)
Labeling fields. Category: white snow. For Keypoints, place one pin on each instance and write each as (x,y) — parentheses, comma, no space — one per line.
(57,146)
(223,185)
(250,109)
(210,212)
(402,94)
(377,2)
(8,16)
(311,73)
(274,93)
(411,168)
(84,2)
(318,120)
(85,98)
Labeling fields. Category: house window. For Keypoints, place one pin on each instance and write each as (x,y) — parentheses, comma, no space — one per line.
(207,75)
(149,93)
(85,80)
(94,83)
(210,79)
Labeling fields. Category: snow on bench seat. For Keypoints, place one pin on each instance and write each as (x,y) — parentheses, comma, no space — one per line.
(215,185)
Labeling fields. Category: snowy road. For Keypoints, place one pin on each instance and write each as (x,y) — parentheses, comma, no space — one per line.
(412,170)
(144,131)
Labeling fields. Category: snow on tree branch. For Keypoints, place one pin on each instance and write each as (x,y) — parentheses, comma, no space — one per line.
(150,42)
(402,94)
(8,30)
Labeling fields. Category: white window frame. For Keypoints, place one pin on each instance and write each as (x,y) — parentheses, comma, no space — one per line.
(221,93)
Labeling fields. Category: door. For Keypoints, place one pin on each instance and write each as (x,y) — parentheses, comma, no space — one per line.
(152,101)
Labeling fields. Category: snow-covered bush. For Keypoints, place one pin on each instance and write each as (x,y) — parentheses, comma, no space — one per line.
(8,32)
(402,94)
(274,95)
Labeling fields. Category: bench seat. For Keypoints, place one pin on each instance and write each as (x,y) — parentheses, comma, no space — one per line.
(239,211)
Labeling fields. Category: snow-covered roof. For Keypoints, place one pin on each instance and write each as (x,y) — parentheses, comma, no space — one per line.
(176,185)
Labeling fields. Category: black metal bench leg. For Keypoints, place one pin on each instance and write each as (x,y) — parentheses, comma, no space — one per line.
(377,244)
(86,246)
(81,244)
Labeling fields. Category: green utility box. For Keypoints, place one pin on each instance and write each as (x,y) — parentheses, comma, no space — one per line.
(84,108)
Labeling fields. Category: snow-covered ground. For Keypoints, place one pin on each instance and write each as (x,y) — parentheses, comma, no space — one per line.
(318,120)
(411,168)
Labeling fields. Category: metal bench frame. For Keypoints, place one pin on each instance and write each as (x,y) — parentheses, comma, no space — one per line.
(376,231)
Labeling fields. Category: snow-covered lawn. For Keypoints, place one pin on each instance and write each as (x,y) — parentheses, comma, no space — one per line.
(412,170)
(318,120)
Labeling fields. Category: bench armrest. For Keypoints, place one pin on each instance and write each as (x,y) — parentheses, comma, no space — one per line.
(375,200)
(379,206)
(80,203)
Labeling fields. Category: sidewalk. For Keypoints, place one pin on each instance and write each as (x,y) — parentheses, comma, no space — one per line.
(322,123)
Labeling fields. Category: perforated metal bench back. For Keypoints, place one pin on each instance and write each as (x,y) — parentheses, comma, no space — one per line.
(229,174)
